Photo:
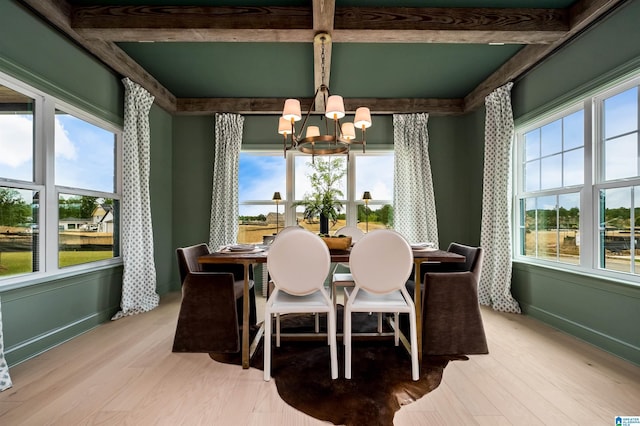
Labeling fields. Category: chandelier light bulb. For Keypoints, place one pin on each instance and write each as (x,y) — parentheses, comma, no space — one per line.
(348,131)
(284,126)
(313,131)
(335,107)
(292,110)
(363,118)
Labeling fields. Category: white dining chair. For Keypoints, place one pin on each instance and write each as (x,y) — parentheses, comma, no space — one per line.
(381,263)
(299,262)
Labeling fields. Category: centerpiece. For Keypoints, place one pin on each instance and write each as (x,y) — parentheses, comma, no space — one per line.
(324,202)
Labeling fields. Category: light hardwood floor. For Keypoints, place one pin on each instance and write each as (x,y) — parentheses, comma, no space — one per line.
(124,373)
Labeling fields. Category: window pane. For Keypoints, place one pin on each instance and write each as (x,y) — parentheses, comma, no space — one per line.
(621,157)
(87,227)
(569,223)
(532,176)
(304,171)
(374,173)
(260,176)
(532,145)
(16,135)
(551,138)
(546,224)
(573,130)
(19,232)
(85,154)
(615,237)
(573,167)
(551,172)
(621,113)
(258,221)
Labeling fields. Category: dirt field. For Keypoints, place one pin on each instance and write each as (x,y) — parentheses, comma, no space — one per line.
(254,233)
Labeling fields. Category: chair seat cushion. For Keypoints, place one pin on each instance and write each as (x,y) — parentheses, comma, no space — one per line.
(238,288)
(342,277)
(366,301)
(314,302)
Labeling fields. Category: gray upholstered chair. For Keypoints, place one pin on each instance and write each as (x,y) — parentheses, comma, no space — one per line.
(451,318)
(212,298)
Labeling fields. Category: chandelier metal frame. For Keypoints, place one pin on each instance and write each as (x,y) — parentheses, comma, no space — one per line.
(337,140)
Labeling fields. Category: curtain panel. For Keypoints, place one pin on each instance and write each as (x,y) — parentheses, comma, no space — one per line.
(223,226)
(495,234)
(139,276)
(414,203)
(5,378)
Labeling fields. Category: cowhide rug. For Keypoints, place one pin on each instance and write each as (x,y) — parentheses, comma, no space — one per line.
(381,374)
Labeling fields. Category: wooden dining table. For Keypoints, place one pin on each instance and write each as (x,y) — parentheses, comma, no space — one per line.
(260,256)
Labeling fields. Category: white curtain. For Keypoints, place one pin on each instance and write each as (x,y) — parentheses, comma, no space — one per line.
(139,277)
(495,234)
(223,228)
(5,379)
(414,203)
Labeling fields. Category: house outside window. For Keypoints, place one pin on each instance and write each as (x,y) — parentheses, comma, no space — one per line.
(59,167)
(577,185)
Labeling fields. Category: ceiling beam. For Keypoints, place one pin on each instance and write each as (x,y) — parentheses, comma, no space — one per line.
(298,24)
(58,13)
(581,15)
(436,107)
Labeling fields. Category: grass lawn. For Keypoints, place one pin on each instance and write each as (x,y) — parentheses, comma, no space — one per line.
(19,262)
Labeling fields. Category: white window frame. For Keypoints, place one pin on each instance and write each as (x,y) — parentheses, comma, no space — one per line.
(351,202)
(593,182)
(45,106)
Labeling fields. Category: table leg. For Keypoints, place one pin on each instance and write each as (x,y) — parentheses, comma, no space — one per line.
(417,300)
(245,318)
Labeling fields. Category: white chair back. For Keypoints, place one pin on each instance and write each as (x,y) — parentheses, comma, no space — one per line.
(350,231)
(298,262)
(381,262)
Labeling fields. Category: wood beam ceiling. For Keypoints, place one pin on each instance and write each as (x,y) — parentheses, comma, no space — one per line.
(98,28)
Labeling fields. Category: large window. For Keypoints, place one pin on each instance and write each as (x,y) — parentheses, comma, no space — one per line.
(578,184)
(263,174)
(59,186)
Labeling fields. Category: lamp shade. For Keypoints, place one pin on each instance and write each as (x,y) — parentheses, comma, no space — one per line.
(335,107)
(366,196)
(292,110)
(284,126)
(348,131)
(363,118)
(313,131)
(277,197)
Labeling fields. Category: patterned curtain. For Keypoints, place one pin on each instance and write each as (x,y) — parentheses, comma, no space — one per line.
(5,379)
(414,203)
(495,234)
(223,227)
(139,277)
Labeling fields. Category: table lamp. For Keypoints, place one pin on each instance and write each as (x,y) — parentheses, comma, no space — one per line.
(366,197)
(277,198)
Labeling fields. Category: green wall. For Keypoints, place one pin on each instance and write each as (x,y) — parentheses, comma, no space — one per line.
(599,311)
(48,311)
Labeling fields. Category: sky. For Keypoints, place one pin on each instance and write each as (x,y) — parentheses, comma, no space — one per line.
(84,152)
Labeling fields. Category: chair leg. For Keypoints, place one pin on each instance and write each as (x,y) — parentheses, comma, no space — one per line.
(379,322)
(347,344)
(267,346)
(317,324)
(331,328)
(415,367)
(396,327)
(278,330)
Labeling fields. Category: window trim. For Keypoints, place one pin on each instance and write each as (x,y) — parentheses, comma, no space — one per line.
(44,182)
(591,102)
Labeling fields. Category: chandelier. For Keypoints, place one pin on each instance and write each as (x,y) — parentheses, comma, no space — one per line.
(338,137)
